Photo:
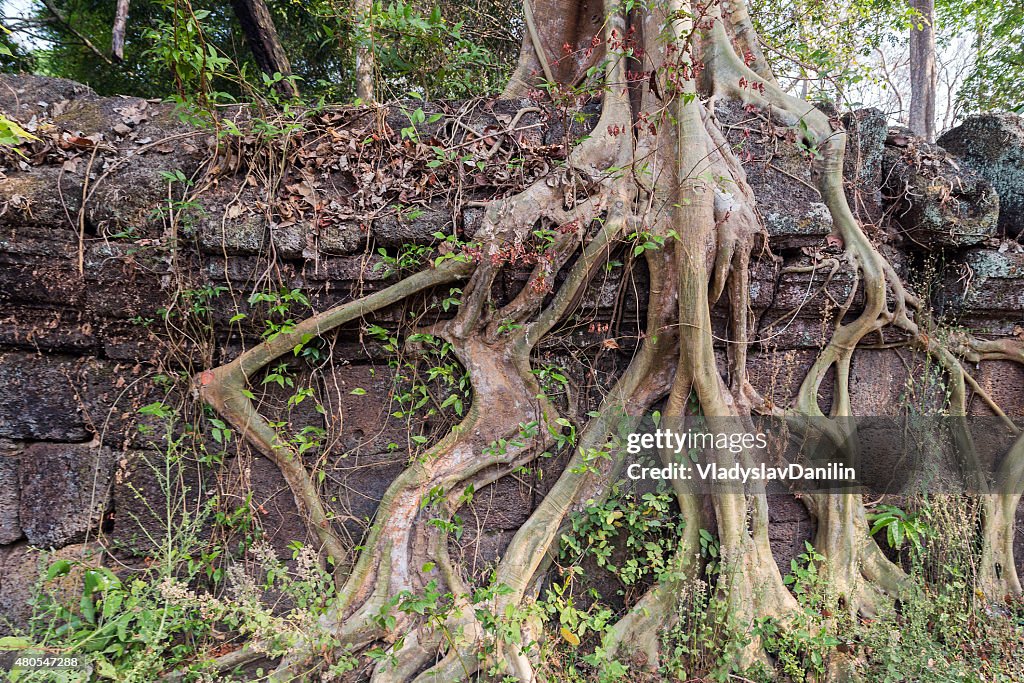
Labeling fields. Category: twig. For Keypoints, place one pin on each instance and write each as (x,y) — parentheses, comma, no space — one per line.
(85,41)
(799,180)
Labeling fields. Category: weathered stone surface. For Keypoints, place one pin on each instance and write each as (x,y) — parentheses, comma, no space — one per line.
(124,282)
(77,359)
(278,516)
(993,145)
(935,201)
(145,491)
(416,224)
(808,295)
(866,133)
(40,267)
(123,196)
(10,495)
(780,176)
(65,489)
(47,197)
(39,399)
(245,234)
(340,238)
(52,330)
(984,283)
(789,527)
(1004,381)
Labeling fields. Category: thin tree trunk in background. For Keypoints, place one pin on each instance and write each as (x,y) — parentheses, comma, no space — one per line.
(979,47)
(120,24)
(364,52)
(260,33)
(922,70)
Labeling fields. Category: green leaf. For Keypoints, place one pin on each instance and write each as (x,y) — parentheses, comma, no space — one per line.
(14,643)
(358,392)
(58,568)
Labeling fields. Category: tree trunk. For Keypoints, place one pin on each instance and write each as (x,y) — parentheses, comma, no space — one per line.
(922,70)
(120,24)
(364,52)
(658,158)
(260,33)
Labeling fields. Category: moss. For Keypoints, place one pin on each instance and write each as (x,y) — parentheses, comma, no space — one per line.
(993,145)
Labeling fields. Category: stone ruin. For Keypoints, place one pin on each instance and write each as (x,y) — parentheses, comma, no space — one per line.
(89,257)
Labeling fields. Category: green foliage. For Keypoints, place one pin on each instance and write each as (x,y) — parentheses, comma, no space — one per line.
(802,647)
(705,641)
(939,636)
(178,41)
(276,309)
(196,49)
(11,134)
(192,595)
(633,536)
(630,537)
(827,45)
(422,52)
(899,526)
(997,27)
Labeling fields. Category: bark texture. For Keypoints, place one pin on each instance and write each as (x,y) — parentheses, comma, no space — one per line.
(120,25)
(923,74)
(680,100)
(261,35)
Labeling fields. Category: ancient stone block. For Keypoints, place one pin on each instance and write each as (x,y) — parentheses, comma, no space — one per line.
(38,398)
(983,282)
(340,238)
(789,526)
(779,173)
(866,132)
(45,196)
(935,201)
(152,498)
(244,234)
(49,329)
(65,489)
(21,566)
(993,145)
(414,224)
(10,495)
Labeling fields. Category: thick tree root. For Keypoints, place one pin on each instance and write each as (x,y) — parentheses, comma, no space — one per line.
(657,165)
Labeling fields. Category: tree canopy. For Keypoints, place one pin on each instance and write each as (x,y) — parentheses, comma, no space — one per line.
(853,52)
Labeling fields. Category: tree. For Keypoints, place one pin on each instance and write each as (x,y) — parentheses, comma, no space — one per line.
(260,33)
(923,76)
(998,31)
(364,53)
(656,165)
(117,32)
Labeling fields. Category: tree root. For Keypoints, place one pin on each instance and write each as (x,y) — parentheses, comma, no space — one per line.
(658,164)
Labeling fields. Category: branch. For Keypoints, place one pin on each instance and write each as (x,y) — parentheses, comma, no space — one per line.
(85,41)
(224,388)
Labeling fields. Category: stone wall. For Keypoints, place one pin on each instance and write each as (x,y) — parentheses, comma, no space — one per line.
(86,339)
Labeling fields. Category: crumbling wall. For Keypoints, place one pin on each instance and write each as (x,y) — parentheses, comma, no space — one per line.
(113,279)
